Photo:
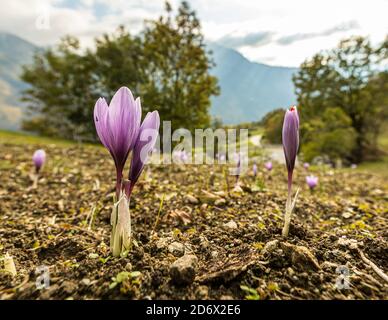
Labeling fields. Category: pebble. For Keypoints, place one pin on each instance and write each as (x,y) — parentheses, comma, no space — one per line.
(231,225)
(177,249)
(191,199)
(220,202)
(214,254)
(183,270)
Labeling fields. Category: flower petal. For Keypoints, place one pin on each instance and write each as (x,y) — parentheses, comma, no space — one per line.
(290,137)
(148,134)
(100,121)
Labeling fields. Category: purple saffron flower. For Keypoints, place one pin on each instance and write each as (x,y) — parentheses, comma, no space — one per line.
(290,139)
(117,127)
(255,169)
(148,134)
(268,165)
(39,159)
(306,165)
(312,181)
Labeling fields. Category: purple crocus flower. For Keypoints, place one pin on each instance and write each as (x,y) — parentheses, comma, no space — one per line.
(268,165)
(254,169)
(39,159)
(118,127)
(290,139)
(148,134)
(306,165)
(312,181)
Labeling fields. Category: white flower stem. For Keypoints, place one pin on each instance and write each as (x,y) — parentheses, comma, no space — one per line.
(287,216)
(120,240)
(290,204)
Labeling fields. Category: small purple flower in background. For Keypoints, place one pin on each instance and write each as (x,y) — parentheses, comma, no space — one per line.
(353,166)
(268,165)
(312,181)
(290,140)
(221,157)
(39,158)
(120,130)
(254,169)
(306,165)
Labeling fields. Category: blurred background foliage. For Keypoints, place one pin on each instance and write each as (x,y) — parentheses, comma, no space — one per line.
(167,65)
(343,103)
(342,93)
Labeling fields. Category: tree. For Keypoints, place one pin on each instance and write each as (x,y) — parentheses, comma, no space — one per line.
(167,66)
(348,77)
(61,91)
(273,124)
(330,136)
(178,81)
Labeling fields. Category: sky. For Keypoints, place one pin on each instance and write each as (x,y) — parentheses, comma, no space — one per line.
(275,32)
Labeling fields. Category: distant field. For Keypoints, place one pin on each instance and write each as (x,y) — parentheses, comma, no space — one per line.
(25,138)
(378,167)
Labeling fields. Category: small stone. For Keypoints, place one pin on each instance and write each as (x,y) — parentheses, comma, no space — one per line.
(220,202)
(231,225)
(290,271)
(183,270)
(214,254)
(347,215)
(270,246)
(300,256)
(191,199)
(177,249)
(162,243)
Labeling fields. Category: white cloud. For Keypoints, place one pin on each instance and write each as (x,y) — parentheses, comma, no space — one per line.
(233,20)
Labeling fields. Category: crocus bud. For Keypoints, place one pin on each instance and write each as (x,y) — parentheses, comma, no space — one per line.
(306,165)
(268,165)
(312,181)
(39,159)
(290,137)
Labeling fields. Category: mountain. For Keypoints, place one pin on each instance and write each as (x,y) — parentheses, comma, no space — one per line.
(248,89)
(14,52)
